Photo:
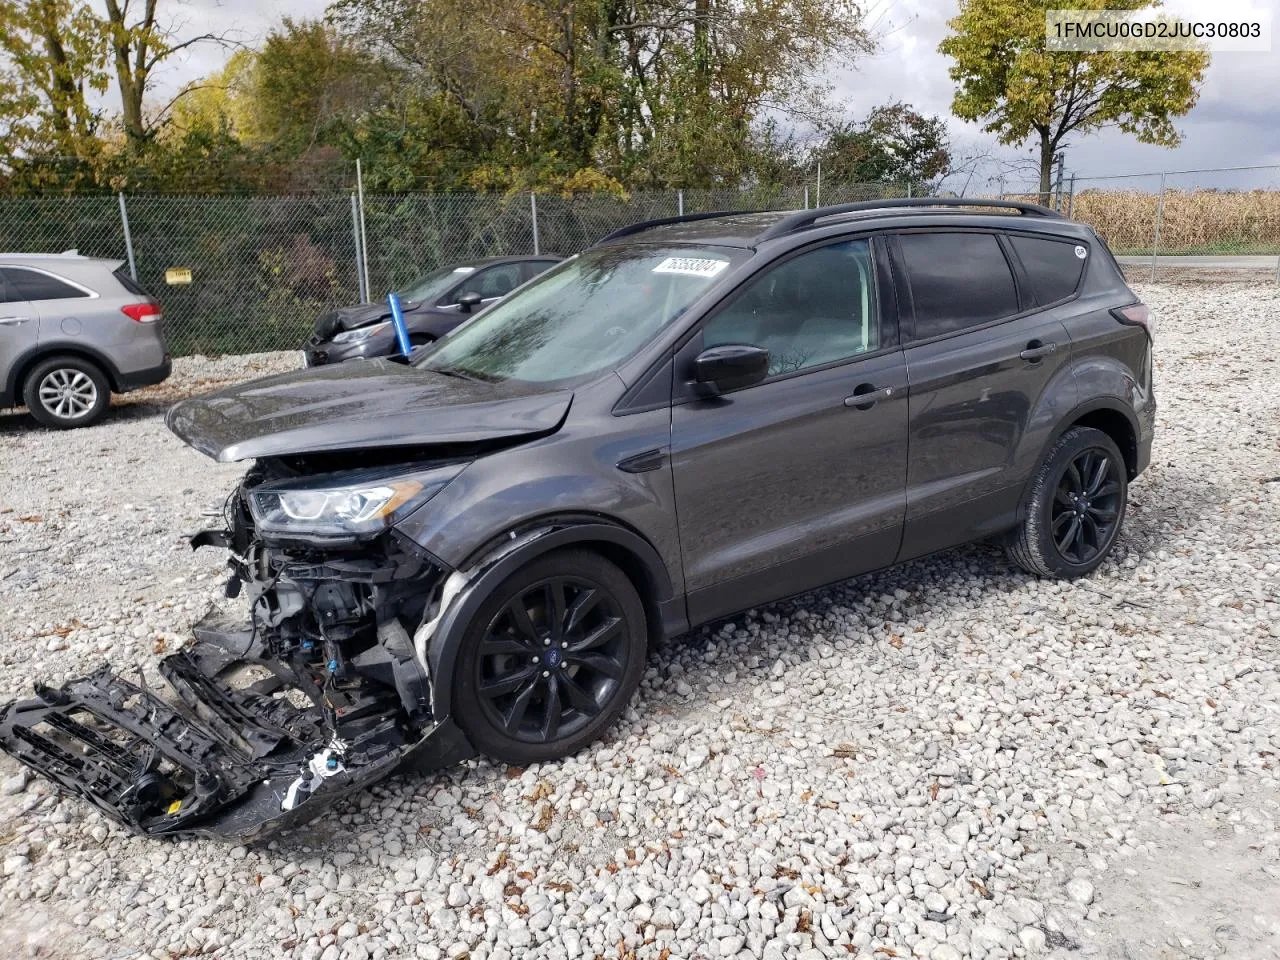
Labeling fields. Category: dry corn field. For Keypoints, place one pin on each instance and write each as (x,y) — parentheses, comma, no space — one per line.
(1193,221)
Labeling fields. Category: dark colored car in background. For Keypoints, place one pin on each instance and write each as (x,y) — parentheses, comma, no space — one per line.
(433,305)
(472,552)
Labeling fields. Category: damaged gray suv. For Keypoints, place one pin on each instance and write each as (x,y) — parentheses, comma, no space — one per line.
(472,552)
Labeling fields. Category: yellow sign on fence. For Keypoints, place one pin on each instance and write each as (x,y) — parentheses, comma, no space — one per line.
(177,276)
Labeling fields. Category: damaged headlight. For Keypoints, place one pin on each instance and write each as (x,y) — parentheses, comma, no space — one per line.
(366,502)
(360,333)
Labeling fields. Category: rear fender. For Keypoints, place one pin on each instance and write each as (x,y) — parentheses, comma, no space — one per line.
(1081,411)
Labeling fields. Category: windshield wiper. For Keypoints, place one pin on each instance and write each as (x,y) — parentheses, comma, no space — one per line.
(454,372)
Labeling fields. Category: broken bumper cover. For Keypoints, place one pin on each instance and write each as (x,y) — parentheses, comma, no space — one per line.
(221,758)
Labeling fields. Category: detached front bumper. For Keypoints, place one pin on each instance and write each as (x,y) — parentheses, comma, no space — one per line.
(245,746)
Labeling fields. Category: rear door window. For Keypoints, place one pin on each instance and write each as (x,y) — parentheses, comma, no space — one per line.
(37,285)
(1054,267)
(8,294)
(958,280)
(531,268)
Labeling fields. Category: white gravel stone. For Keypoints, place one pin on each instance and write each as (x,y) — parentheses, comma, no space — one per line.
(14,785)
(1080,890)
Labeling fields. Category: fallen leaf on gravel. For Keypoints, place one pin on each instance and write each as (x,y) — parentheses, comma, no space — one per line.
(544,818)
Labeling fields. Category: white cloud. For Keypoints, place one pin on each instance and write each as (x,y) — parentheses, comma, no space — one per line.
(1236,122)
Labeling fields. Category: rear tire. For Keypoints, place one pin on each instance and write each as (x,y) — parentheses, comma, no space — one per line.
(66,392)
(1076,507)
(550,659)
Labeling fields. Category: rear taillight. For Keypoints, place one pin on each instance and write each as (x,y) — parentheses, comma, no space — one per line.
(1136,315)
(148,312)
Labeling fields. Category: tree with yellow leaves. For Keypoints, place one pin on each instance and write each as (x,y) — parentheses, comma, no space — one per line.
(1007,79)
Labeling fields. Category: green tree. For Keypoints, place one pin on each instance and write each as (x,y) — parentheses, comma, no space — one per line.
(303,80)
(895,144)
(51,66)
(645,92)
(139,44)
(1006,79)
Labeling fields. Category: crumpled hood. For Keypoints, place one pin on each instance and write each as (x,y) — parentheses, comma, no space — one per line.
(351,318)
(360,405)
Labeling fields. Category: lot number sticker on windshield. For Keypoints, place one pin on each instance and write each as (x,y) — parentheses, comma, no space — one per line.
(691,266)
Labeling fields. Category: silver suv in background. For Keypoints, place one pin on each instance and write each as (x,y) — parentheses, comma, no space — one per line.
(74,330)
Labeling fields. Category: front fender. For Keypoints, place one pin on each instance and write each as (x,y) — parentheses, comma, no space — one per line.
(438,641)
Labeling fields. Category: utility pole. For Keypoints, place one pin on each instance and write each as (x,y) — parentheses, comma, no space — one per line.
(364,238)
(1061,160)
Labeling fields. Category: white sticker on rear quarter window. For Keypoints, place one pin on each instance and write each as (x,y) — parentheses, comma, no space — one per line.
(691,266)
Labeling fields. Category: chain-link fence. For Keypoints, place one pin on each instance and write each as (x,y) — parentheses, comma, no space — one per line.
(263,267)
(1211,224)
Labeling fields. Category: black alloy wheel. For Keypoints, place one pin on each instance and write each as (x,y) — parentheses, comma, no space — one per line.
(1086,506)
(1075,506)
(551,658)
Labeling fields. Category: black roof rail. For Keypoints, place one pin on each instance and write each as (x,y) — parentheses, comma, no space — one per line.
(805,218)
(663,221)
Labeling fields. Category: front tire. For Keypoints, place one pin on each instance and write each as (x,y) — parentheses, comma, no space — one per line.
(550,659)
(66,392)
(1077,505)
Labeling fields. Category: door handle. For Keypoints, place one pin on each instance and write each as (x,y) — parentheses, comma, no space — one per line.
(12,321)
(866,395)
(1037,350)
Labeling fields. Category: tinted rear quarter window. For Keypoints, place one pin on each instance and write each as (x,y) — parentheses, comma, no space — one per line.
(122,275)
(34,285)
(958,280)
(1053,266)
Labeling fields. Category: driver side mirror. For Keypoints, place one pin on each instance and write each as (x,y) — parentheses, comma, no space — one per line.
(469,301)
(730,366)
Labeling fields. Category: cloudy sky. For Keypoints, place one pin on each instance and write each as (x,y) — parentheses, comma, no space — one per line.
(1236,123)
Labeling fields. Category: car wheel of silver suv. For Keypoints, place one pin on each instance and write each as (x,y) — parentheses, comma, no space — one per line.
(66,392)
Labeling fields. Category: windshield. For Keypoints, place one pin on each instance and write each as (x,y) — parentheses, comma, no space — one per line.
(434,285)
(586,315)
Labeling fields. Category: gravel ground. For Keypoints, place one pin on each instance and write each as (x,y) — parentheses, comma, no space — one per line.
(951,759)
